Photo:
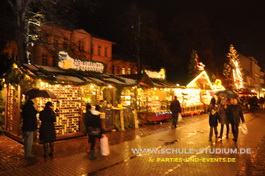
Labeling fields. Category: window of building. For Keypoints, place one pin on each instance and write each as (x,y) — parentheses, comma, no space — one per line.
(55,42)
(44,59)
(129,71)
(106,51)
(65,43)
(80,46)
(99,50)
(123,71)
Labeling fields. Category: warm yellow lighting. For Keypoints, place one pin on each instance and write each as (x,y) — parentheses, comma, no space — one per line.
(110,86)
(5,85)
(252,90)
(92,86)
(42,84)
(177,84)
(15,66)
(155,88)
(203,73)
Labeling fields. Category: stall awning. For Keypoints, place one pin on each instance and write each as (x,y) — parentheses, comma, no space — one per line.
(57,75)
(145,80)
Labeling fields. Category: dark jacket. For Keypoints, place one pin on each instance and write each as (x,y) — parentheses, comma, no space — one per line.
(223,114)
(93,121)
(29,116)
(47,127)
(214,119)
(175,106)
(235,113)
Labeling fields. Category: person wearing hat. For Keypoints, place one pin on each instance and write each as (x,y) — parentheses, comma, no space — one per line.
(47,129)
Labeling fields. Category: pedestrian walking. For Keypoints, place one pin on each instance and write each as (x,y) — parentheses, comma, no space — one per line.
(175,109)
(29,126)
(47,129)
(222,111)
(213,122)
(94,128)
(235,114)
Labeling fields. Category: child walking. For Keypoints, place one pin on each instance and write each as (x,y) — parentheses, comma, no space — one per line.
(213,122)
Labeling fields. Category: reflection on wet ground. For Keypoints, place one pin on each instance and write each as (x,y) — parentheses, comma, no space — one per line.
(256,164)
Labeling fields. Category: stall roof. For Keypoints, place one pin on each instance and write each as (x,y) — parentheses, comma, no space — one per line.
(145,80)
(201,81)
(161,83)
(64,76)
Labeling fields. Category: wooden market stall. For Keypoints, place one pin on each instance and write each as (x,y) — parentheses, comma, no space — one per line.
(150,96)
(196,97)
(72,88)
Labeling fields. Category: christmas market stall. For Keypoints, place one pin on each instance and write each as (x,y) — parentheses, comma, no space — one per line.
(72,88)
(150,94)
(196,97)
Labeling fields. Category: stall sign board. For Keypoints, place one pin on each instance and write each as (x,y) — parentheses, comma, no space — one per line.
(67,62)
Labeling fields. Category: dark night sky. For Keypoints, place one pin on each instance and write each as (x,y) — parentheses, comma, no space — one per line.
(237,22)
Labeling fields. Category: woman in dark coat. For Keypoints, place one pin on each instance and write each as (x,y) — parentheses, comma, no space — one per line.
(94,129)
(222,111)
(47,128)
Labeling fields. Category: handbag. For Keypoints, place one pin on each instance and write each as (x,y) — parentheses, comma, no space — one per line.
(179,117)
(244,128)
(93,131)
(104,146)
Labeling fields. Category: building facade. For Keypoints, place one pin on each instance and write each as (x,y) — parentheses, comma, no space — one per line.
(253,76)
(81,45)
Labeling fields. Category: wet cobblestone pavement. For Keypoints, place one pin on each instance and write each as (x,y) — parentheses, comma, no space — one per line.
(71,158)
(12,153)
(255,165)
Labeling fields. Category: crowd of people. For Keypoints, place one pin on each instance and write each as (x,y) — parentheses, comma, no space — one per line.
(93,121)
(228,113)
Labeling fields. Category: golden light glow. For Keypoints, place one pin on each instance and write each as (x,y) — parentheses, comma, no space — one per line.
(110,86)
(203,73)
(15,66)
(217,85)
(237,75)
(92,86)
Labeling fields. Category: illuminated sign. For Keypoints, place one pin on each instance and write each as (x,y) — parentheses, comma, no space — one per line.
(159,75)
(67,62)
(218,85)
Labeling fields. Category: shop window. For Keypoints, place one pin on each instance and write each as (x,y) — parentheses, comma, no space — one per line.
(99,50)
(80,46)
(44,59)
(65,43)
(106,51)
(55,42)
(123,71)
(129,71)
